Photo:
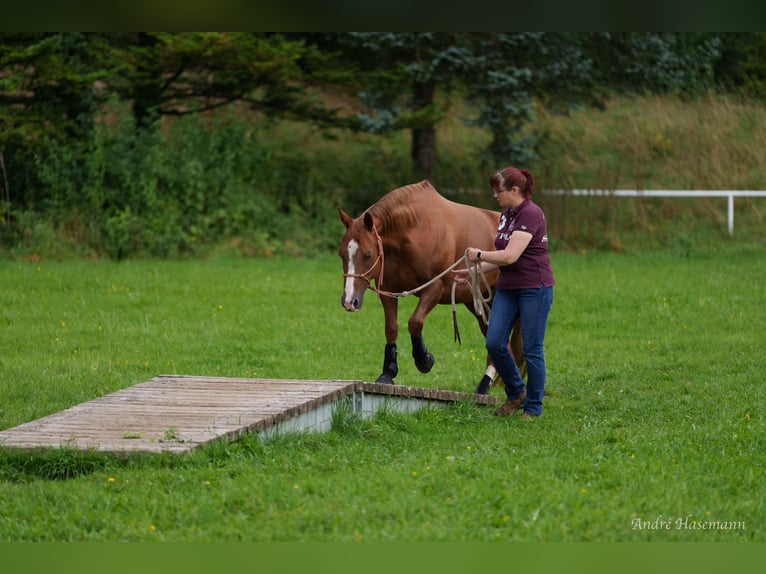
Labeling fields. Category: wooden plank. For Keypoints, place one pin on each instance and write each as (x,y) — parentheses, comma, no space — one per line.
(176,413)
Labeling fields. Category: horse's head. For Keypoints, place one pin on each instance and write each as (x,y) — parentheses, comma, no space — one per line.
(360,251)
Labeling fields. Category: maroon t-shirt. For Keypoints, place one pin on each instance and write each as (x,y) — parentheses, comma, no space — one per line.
(533,267)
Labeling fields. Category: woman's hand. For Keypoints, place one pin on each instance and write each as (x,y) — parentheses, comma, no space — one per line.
(461,276)
(473,254)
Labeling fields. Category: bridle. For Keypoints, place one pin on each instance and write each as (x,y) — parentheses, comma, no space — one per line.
(379,278)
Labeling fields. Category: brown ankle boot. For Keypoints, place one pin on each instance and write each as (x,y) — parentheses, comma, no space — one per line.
(510,406)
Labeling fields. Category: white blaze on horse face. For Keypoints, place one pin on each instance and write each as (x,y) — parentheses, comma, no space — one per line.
(348,292)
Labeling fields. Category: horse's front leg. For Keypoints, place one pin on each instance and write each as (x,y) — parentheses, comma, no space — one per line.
(424,360)
(390,365)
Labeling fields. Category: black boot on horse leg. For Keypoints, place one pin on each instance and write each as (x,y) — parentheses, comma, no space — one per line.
(424,360)
(390,366)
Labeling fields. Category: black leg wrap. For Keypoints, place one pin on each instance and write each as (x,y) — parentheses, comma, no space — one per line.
(390,365)
(484,385)
(385,379)
(424,360)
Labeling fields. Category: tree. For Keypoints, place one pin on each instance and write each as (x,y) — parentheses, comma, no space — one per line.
(47,84)
(52,84)
(400,77)
(172,74)
(653,62)
(742,65)
(48,90)
(509,72)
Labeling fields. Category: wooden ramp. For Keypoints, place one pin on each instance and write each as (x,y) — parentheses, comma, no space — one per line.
(177,413)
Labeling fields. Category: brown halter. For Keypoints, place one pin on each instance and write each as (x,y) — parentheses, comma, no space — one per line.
(379,278)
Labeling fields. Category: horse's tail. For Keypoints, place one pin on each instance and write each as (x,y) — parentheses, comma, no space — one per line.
(517,349)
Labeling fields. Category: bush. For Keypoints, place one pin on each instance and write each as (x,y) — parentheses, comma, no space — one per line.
(164,193)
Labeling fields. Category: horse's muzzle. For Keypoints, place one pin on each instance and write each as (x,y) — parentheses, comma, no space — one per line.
(352,304)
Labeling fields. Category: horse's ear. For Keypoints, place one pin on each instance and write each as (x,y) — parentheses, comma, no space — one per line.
(345,217)
(368,221)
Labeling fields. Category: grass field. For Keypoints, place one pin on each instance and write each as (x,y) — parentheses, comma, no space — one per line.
(653,427)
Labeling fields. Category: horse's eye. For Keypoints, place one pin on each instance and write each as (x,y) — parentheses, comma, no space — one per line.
(368,255)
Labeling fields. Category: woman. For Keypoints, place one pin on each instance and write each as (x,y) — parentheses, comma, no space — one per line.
(524,289)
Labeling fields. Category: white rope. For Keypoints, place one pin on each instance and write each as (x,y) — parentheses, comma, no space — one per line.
(478,280)
(478,283)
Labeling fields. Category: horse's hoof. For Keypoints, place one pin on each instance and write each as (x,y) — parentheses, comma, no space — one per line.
(484,385)
(385,379)
(427,364)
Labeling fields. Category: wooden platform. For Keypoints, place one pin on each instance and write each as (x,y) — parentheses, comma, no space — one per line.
(177,413)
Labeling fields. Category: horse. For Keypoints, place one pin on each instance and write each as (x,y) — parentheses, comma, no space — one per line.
(405,242)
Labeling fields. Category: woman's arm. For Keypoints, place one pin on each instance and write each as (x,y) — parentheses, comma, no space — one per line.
(516,246)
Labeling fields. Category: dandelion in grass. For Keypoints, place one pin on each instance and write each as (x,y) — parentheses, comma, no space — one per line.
(450,458)
(414,473)
(583,491)
(506,518)
(110,480)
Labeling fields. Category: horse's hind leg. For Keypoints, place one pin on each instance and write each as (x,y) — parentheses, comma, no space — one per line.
(486,381)
(514,346)
(517,352)
(490,374)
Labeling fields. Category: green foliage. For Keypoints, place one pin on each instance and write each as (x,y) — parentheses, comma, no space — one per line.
(653,62)
(143,192)
(742,65)
(59,464)
(46,84)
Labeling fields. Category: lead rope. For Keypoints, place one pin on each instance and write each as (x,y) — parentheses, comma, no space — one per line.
(478,284)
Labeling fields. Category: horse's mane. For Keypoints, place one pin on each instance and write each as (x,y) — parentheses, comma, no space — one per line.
(395,208)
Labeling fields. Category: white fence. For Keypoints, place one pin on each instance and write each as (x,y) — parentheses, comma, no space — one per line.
(729,194)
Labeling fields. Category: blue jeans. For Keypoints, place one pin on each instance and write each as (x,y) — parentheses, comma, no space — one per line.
(532,307)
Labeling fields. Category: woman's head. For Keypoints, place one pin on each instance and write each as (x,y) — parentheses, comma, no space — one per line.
(509,177)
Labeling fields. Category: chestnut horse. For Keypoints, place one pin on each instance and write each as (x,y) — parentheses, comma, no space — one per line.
(401,243)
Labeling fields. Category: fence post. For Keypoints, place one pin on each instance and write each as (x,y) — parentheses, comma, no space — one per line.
(731,214)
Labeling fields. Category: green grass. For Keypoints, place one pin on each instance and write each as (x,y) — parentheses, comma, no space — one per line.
(654,406)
